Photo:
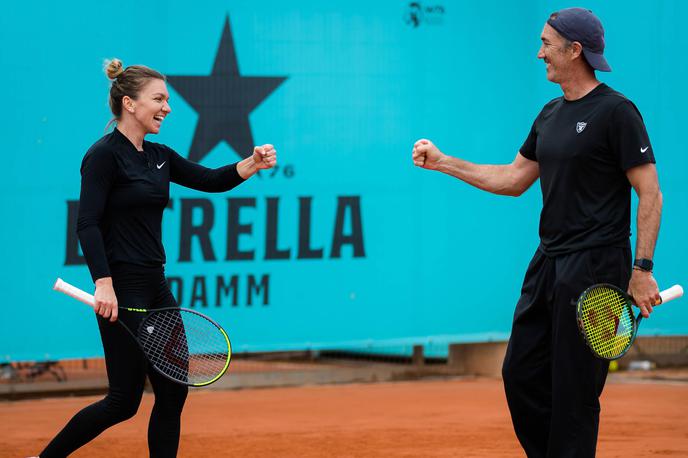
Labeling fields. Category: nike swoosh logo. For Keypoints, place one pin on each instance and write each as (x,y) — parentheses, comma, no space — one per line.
(159,166)
(642,150)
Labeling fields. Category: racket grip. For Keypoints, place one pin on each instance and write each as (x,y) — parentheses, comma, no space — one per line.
(672,293)
(72,291)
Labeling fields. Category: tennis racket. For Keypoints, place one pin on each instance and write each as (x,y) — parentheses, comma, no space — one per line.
(606,320)
(183,345)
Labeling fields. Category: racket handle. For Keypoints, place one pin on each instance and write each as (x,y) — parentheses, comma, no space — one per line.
(72,291)
(672,293)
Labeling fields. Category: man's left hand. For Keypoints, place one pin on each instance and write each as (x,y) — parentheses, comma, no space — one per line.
(643,288)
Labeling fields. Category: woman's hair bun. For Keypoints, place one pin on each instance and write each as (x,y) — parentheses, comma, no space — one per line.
(113,68)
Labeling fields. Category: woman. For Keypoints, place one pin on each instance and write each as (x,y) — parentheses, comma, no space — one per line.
(124,190)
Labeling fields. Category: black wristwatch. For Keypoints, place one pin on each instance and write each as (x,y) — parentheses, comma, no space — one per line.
(644,264)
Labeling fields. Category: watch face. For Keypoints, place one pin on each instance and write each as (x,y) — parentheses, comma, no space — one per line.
(644,264)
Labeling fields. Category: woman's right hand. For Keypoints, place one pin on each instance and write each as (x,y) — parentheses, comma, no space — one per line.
(106,301)
(426,155)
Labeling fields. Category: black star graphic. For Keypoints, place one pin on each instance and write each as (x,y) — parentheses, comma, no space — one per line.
(223,101)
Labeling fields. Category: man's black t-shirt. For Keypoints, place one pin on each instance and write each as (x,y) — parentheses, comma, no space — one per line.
(583,149)
(124,193)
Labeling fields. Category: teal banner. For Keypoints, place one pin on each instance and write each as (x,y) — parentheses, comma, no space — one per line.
(345,244)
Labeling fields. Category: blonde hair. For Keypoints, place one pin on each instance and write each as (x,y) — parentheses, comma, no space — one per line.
(126,82)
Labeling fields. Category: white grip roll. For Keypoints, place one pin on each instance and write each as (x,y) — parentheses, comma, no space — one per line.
(72,291)
(672,293)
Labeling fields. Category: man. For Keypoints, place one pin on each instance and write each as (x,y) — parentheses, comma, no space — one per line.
(588,148)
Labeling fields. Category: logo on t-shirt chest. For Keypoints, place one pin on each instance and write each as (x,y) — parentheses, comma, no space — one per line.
(580,126)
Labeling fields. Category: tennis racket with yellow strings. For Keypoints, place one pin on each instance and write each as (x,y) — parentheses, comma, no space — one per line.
(183,345)
(606,320)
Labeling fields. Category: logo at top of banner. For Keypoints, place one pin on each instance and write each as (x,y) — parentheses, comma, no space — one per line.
(419,13)
(223,100)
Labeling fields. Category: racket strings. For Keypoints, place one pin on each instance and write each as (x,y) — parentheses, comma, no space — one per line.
(185,346)
(608,322)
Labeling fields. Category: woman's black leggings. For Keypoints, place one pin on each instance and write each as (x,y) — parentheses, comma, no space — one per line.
(127,367)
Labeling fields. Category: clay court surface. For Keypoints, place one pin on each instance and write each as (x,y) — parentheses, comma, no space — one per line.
(438,418)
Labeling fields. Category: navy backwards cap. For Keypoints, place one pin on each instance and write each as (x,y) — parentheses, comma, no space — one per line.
(581,25)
